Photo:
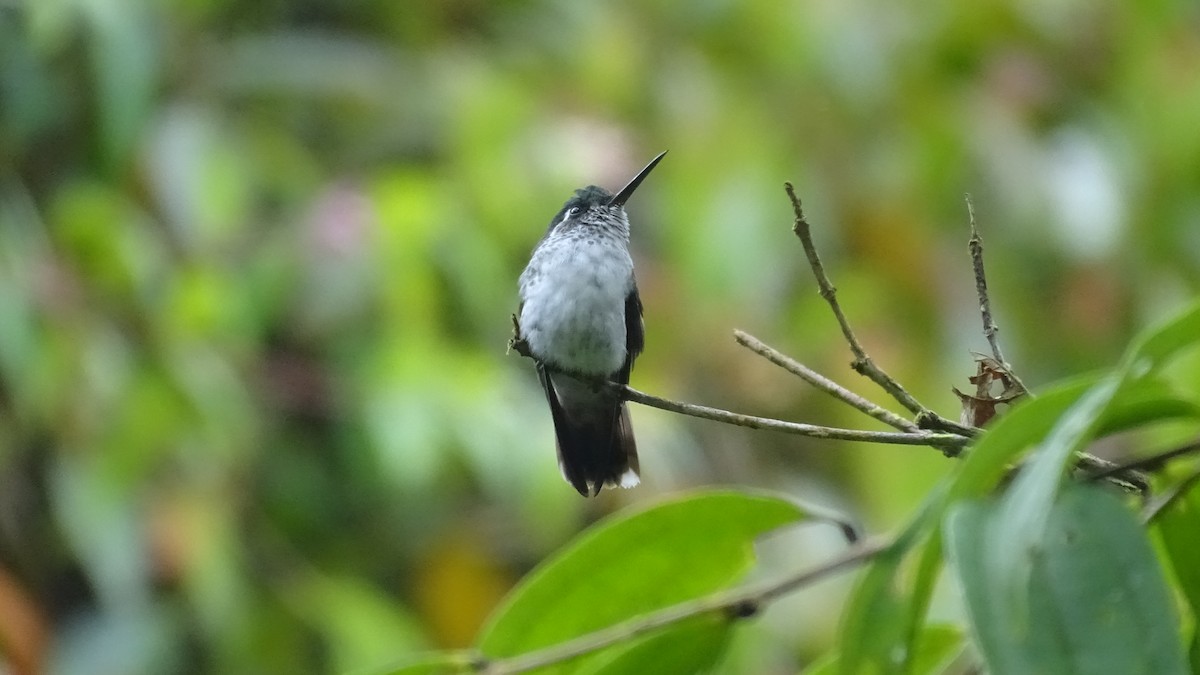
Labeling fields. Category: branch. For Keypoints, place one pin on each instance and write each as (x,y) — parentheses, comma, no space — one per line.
(926,418)
(940,440)
(823,383)
(990,329)
(1124,477)
(862,363)
(1148,463)
(985,306)
(951,443)
(728,605)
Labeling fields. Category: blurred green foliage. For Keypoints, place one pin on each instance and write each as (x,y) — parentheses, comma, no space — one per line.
(257,261)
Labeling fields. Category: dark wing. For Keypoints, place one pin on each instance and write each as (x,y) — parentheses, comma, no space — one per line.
(565,437)
(635,334)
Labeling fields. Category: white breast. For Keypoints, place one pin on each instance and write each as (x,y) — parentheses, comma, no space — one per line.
(574,292)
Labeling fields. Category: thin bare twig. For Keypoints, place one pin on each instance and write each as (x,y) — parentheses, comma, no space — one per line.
(920,437)
(990,329)
(1125,478)
(1149,463)
(823,383)
(862,363)
(985,306)
(726,605)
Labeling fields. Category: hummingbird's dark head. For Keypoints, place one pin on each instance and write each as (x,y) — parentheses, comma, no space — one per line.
(601,204)
(593,200)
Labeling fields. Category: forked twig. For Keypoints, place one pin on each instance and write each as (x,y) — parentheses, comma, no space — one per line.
(862,363)
(1148,463)
(916,437)
(990,329)
(823,383)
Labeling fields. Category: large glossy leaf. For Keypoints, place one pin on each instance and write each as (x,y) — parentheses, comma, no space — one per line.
(880,627)
(692,646)
(873,622)
(1113,404)
(893,645)
(1146,402)
(1005,647)
(928,569)
(936,647)
(1159,344)
(1024,511)
(1067,418)
(633,563)
(1178,527)
(878,620)
(1094,600)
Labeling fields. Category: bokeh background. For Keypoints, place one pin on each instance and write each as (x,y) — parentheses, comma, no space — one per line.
(257,261)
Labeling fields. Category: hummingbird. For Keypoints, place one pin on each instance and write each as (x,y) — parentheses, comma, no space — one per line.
(581,320)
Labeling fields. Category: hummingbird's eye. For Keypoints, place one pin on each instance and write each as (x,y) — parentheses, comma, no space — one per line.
(574,210)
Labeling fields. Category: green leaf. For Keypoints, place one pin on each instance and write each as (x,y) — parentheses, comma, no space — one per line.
(937,646)
(1071,414)
(1146,402)
(873,621)
(692,646)
(967,532)
(929,568)
(126,62)
(1095,600)
(360,627)
(825,665)
(1177,527)
(1025,509)
(434,663)
(1007,543)
(987,462)
(1154,347)
(880,618)
(636,562)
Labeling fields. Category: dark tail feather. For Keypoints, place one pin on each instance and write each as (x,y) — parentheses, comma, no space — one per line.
(594,456)
(594,449)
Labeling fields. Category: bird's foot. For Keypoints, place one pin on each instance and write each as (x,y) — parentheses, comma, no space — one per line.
(517,343)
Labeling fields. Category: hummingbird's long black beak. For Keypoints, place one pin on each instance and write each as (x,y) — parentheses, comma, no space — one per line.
(626,192)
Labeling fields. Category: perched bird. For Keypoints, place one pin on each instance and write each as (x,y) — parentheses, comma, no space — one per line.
(581,320)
